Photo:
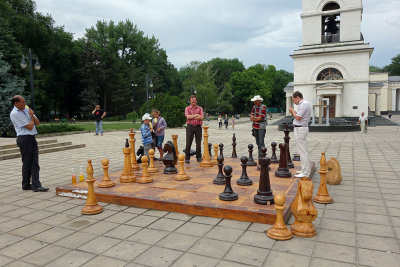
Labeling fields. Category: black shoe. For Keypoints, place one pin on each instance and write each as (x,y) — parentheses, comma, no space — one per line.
(40,189)
(198,159)
(187,161)
(29,187)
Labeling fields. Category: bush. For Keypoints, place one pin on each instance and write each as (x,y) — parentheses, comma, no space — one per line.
(114,118)
(57,128)
(132,115)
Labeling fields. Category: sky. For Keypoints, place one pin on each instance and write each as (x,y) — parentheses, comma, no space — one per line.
(254,31)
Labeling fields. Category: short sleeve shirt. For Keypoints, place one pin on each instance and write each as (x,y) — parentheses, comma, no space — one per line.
(193,111)
(303,111)
(98,114)
(363,119)
(20,119)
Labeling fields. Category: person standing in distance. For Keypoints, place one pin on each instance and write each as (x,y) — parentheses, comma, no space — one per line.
(25,121)
(363,121)
(194,119)
(300,123)
(259,119)
(98,116)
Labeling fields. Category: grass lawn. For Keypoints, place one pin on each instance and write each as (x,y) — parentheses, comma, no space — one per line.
(91,126)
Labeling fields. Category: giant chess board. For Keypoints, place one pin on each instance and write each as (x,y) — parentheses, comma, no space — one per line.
(197,196)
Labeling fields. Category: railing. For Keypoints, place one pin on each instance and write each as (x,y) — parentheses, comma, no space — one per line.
(330,38)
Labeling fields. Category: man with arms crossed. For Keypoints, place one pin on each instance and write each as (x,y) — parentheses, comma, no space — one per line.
(194,119)
(300,122)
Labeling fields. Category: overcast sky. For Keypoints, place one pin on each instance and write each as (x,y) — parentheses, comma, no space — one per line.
(254,31)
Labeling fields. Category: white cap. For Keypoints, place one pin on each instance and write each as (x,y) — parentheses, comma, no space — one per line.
(146,116)
(257,97)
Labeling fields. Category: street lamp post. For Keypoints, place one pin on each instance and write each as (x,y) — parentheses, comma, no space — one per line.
(37,67)
(148,83)
(133,85)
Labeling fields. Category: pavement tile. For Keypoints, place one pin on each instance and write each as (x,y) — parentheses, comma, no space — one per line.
(205,220)
(4,260)
(234,224)
(12,224)
(126,250)
(121,217)
(142,220)
(197,229)
(78,223)
(258,227)
(100,227)
(247,255)
(58,219)
(256,239)
(156,256)
(371,209)
(31,229)
(20,263)
(148,236)
(156,213)
(375,229)
(224,233)
(7,239)
(104,261)
(99,245)
(336,237)
(75,240)
(73,258)
(166,224)
(45,255)
(316,262)
(296,246)
(277,258)
(178,241)
(37,215)
(22,248)
(377,243)
(372,218)
(123,231)
(373,258)
(179,216)
(334,252)
(339,215)
(225,263)
(210,247)
(337,225)
(189,259)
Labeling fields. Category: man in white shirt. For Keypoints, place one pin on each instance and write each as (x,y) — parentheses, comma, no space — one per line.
(25,122)
(363,121)
(300,122)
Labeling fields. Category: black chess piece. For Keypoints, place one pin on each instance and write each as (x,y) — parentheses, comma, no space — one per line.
(221,149)
(209,149)
(283,170)
(287,139)
(170,158)
(296,157)
(244,178)
(251,161)
(234,155)
(263,153)
(274,158)
(220,179)
(264,193)
(126,143)
(228,194)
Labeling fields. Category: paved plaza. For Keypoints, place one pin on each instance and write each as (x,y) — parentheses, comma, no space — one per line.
(361,228)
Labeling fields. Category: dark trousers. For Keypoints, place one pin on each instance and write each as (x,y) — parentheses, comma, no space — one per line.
(259,134)
(193,131)
(30,161)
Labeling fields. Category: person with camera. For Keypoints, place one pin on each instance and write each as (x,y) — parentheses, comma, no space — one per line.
(98,117)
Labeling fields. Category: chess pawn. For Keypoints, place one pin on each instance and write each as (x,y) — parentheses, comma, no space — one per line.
(244,178)
(283,170)
(220,179)
(221,149)
(215,161)
(181,176)
(279,231)
(92,206)
(106,182)
(135,165)
(323,196)
(144,178)
(127,175)
(234,155)
(274,158)
(152,168)
(228,194)
(251,161)
(303,210)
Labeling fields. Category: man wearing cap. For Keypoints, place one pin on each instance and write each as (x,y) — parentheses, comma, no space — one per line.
(259,118)
(194,119)
(146,130)
(300,123)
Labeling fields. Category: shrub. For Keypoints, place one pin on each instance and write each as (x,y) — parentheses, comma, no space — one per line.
(114,118)
(57,128)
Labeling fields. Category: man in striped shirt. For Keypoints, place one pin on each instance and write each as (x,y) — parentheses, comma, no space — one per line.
(259,118)
(194,119)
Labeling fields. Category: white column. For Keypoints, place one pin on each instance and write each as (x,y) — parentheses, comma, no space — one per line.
(378,105)
(394,96)
(288,104)
(398,99)
(338,105)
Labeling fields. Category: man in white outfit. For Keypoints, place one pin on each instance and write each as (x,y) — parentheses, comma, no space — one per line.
(300,122)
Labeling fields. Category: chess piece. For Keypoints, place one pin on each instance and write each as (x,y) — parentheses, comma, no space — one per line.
(175,142)
(251,161)
(264,192)
(303,210)
(296,157)
(206,162)
(228,194)
(132,140)
(220,179)
(334,175)
(283,170)
(181,176)
(244,178)
(144,178)
(92,206)
(170,158)
(221,149)
(290,164)
(152,168)
(234,155)
(274,159)
(279,231)
(106,182)
(215,154)
(127,175)
(323,196)
(210,150)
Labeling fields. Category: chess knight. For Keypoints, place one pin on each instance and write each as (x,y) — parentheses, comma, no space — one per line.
(334,175)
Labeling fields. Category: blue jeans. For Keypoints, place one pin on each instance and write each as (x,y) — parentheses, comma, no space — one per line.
(260,136)
(99,125)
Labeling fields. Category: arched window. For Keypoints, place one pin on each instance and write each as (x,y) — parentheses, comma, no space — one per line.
(331,24)
(331,6)
(329,74)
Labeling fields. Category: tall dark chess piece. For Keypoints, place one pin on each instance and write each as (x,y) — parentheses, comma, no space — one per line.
(264,192)
(228,194)
(234,147)
(274,159)
(244,178)
(283,170)
(221,149)
(287,139)
(251,161)
(296,157)
(220,179)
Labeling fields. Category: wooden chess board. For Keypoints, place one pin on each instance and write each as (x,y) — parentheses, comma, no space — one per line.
(197,196)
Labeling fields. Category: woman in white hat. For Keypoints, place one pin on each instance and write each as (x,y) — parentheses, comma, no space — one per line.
(259,118)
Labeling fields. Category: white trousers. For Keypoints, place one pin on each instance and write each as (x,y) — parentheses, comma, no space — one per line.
(300,135)
(363,128)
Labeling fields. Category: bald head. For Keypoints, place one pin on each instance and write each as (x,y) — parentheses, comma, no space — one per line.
(18,101)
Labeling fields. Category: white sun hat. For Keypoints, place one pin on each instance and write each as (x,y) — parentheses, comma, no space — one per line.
(257,97)
(146,116)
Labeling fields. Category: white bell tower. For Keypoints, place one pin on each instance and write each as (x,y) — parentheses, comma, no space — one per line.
(333,61)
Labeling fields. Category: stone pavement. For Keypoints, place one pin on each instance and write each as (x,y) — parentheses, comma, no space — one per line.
(362,227)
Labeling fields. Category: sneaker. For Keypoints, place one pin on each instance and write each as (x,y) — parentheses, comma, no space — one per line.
(96,134)
(300,175)
(101,134)
(298,172)
(198,159)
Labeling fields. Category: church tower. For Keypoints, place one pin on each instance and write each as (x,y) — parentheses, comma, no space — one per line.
(333,61)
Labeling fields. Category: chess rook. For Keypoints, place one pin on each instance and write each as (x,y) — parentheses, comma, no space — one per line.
(135,165)
(106,181)
(244,178)
(323,196)
(274,158)
(127,175)
(283,170)
(92,206)
(251,161)
(220,179)
(287,140)
(228,194)
(279,231)
(264,193)
(234,155)
(181,176)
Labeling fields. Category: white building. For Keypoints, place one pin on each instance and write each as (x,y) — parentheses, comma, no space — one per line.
(333,61)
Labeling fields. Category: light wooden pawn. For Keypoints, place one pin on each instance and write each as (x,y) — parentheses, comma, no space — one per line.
(214,161)
(279,231)
(92,206)
(144,178)
(106,182)
(181,176)
(152,168)
(323,196)
(135,165)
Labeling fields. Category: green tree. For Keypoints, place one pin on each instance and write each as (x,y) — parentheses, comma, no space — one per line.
(223,69)
(394,67)
(373,68)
